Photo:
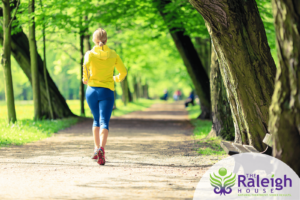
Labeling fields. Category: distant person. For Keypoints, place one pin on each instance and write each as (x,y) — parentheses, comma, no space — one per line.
(178,92)
(175,96)
(165,96)
(98,69)
(190,99)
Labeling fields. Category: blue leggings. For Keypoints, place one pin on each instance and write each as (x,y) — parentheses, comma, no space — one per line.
(101,102)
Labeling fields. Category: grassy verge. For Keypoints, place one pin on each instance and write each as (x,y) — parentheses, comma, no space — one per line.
(140,104)
(27,130)
(206,146)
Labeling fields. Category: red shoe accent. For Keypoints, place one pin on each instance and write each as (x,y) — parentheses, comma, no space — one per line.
(101,156)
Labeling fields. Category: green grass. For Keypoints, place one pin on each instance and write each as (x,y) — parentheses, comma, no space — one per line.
(208,146)
(27,130)
(140,104)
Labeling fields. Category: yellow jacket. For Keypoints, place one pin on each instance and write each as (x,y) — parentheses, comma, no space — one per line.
(98,67)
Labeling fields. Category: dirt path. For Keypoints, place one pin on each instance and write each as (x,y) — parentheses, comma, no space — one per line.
(149,156)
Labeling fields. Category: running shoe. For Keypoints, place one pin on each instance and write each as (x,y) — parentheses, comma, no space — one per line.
(101,156)
(95,156)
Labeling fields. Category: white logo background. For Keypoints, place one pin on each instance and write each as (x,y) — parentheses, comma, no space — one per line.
(251,163)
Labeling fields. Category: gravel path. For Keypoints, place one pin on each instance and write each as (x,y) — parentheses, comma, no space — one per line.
(150,155)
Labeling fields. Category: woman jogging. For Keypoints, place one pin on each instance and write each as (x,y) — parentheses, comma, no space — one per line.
(98,69)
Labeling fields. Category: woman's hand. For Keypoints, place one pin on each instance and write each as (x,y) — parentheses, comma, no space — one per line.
(84,82)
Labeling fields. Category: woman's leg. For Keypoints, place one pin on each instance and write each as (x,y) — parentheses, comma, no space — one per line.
(103,137)
(96,131)
(105,107)
(92,100)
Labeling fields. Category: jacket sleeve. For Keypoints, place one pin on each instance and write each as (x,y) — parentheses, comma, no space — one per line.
(121,69)
(86,67)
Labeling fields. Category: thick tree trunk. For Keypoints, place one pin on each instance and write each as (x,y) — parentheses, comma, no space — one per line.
(20,51)
(45,69)
(221,114)
(247,67)
(285,108)
(81,88)
(192,62)
(34,64)
(6,63)
(203,47)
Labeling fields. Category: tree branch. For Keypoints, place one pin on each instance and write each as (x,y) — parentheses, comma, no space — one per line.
(69,43)
(66,52)
(18,3)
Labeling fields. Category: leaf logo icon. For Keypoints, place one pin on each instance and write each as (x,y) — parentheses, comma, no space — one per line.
(222,183)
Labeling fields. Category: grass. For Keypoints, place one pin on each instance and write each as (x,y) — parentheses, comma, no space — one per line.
(207,146)
(27,130)
(140,104)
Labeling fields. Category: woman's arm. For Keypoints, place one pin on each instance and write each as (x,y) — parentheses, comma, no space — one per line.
(121,69)
(86,68)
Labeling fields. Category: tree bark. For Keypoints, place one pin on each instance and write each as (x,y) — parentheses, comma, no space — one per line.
(34,64)
(285,108)
(222,123)
(6,63)
(125,97)
(45,69)
(135,87)
(192,62)
(247,67)
(20,51)
(203,47)
(81,88)
(130,99)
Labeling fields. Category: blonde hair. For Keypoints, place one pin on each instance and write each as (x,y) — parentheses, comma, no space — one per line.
(100,37)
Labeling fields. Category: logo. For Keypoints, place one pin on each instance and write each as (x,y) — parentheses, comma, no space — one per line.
(222,183)
(249,176)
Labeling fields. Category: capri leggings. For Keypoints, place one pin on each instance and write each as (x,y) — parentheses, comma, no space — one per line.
(101,102)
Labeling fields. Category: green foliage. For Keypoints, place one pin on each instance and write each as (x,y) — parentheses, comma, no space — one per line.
(25,130)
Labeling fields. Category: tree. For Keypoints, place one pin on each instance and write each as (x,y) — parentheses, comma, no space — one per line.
(33,63)
(222,124)
(203,47)
(247,67)
(284,110)
(191,60)
(45,68)
(20,51)
(6,62)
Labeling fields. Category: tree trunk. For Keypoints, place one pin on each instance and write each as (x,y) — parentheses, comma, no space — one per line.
(125,97)
(130,99)
(45,69)
(34,64)
(203,47)
(6,63)
(247,67)
(145,91)
(81,88)
(135,87)
(192,62)
(20,51)
(221,114)
(285,108)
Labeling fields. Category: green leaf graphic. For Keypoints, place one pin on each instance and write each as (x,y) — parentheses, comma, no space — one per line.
(273,176)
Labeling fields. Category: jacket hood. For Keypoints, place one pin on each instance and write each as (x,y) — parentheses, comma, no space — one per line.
(102,53)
